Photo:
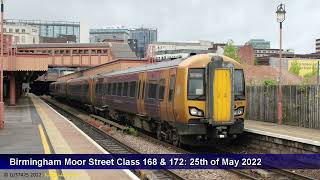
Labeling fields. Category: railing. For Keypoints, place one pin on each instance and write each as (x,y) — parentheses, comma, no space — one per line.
(300,104)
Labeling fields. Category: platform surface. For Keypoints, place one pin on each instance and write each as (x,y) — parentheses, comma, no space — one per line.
(33,127)
(294,133)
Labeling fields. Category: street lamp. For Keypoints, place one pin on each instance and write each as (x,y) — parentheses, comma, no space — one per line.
(281,15)
(1,72)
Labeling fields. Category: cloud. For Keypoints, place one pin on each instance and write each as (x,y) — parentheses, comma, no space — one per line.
(214,20)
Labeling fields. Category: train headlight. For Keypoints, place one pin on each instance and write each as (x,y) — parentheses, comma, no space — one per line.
(239,111)
(196,112)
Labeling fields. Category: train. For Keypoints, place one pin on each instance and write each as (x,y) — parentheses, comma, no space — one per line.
(192,100)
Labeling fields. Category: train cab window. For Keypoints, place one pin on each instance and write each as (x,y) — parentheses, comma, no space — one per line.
(114,88)
(239,85)
(152,89)
(109,89)
(119,89)
(125,89)
(196,84)
(171,89)
(133,87)
(162,88)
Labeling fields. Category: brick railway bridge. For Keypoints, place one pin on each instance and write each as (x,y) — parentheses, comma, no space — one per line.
(27,63)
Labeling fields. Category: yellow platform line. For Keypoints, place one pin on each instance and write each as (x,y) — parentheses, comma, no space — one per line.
(58,142)
(52,173)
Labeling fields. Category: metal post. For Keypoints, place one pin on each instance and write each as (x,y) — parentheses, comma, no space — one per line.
(1,72)
(318,73)
(280,77)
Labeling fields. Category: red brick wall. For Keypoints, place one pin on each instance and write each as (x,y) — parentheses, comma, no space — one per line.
(246,54)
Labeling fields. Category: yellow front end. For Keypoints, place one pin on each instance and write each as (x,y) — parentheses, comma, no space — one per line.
(222,95)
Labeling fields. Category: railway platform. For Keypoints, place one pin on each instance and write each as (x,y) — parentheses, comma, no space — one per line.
(33,127)
(292,133)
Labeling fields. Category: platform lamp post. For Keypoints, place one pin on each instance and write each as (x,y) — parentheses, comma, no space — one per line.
(1,72)
(281,14)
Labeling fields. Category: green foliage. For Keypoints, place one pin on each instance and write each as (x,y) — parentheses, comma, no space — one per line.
(231,51)
(312,73)
(132,131)
(269,82)
(255,61)
(295,68)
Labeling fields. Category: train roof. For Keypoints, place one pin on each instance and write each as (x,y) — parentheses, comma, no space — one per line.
(161,65)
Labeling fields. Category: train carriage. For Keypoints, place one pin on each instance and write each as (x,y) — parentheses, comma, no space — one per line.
(58,89)
(190,100)
(80,90)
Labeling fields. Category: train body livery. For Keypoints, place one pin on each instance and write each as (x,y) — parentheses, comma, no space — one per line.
(190,100)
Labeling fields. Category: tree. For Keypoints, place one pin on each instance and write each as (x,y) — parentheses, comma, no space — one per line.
(295,68)
(231,51)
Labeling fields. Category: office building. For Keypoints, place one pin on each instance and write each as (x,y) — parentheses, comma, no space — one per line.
(162,51)
(22,33)
(317,45)
(259,43)
(109,34)
(50,30)
(144,37)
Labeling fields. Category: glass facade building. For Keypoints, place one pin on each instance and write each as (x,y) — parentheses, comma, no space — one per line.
(259,43)
(117,34)
(144,37)
(53,29)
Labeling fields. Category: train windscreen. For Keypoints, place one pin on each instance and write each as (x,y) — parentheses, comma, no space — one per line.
(239,85)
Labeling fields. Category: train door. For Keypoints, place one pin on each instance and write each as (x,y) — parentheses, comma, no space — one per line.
(171,88)
(222,94)
(163,94)
(141,93)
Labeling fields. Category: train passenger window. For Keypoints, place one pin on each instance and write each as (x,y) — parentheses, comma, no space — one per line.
(105,88)
(171,90)
(125,89)
(132,89)
(109,89)
(119,89)
(114,88)
(143,86)
(162,88)
(139,89)
(152,89)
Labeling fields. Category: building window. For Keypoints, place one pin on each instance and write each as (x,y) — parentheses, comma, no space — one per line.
(10,30)
(4,30)
(23,40)
(17,30)
(23,30)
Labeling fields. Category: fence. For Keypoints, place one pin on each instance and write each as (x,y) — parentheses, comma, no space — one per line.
(300,104)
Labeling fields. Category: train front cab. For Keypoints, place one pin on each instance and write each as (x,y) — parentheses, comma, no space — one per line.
(215,101)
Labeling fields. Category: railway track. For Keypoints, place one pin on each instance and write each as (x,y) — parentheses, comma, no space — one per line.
(114,146)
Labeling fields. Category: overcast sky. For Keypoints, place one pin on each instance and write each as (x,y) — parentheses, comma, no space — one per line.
(187,20)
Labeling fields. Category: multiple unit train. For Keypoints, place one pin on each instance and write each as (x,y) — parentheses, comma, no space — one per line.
(189,101)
